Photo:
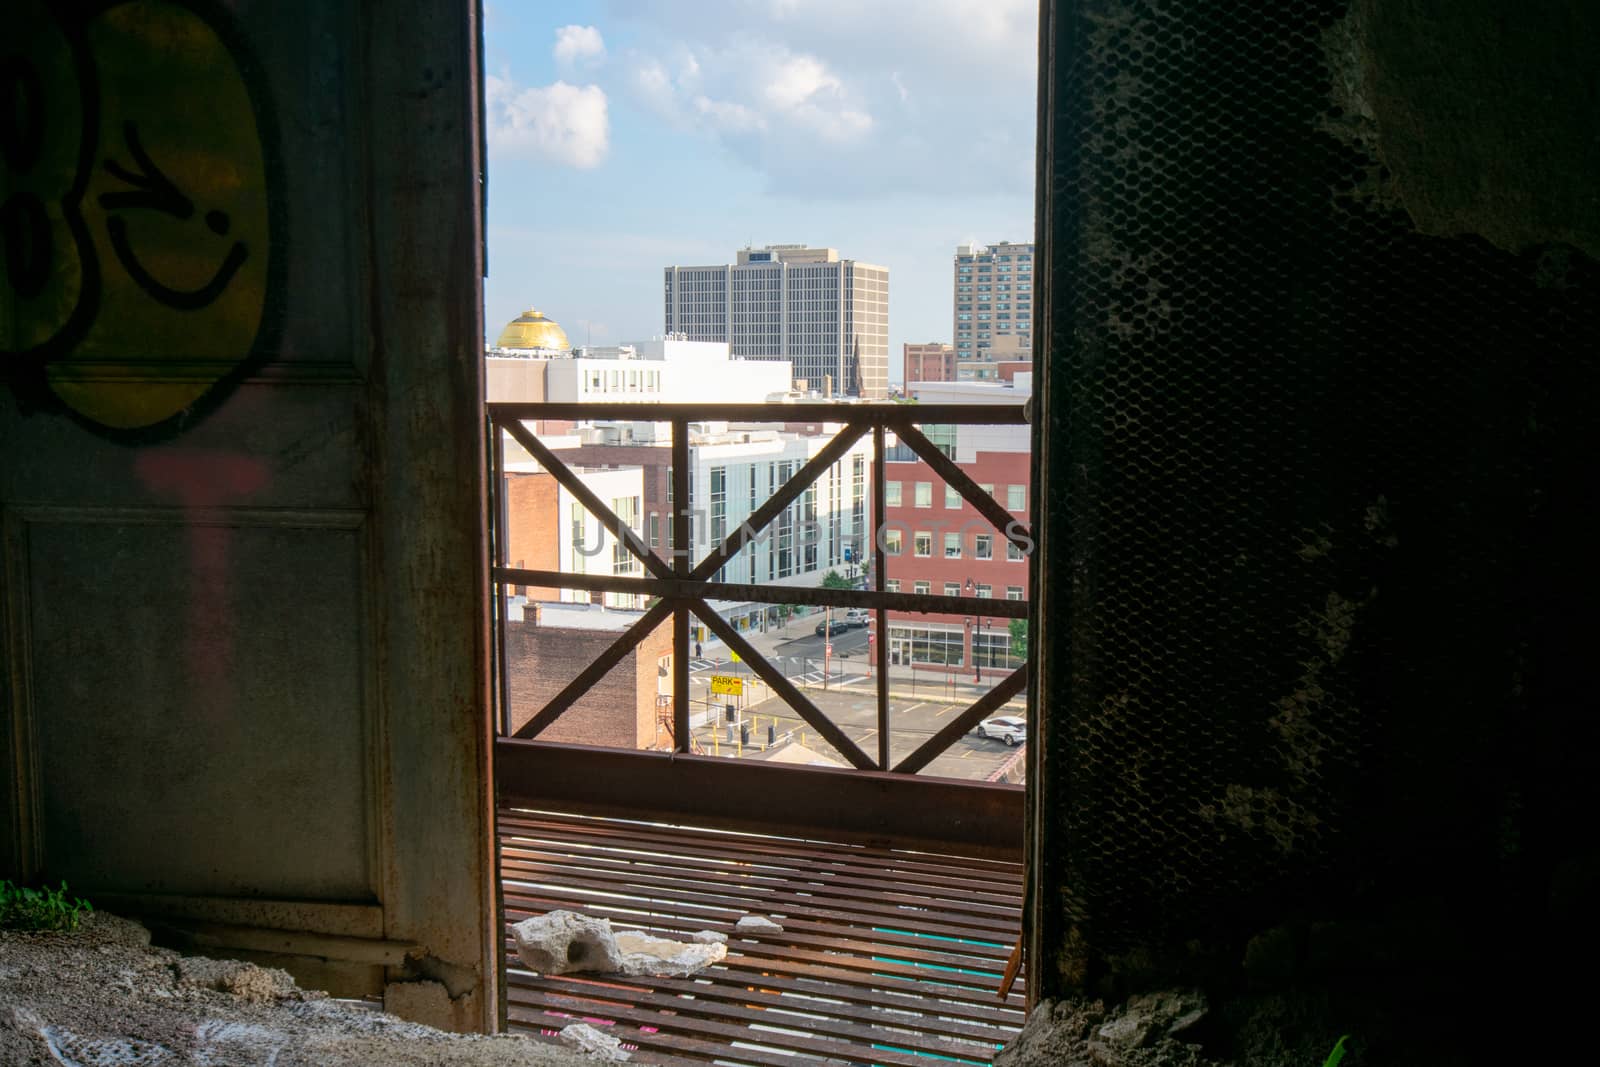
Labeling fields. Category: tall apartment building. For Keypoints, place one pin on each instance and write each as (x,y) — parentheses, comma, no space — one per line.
(993,290)
(829,317)
(932,362)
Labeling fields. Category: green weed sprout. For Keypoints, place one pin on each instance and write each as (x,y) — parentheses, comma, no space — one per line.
(39,909)
(1337,1054)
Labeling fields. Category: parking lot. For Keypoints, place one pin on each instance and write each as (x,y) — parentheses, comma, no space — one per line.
(855,711)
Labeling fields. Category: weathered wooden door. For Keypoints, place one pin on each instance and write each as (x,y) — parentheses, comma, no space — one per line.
(243,622)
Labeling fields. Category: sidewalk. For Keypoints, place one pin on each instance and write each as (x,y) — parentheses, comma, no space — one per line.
(851,672)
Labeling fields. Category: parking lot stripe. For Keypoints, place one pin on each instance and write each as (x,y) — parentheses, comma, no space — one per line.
(918,704)
(947,709)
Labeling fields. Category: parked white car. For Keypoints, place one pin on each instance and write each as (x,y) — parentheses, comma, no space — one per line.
(1007,728)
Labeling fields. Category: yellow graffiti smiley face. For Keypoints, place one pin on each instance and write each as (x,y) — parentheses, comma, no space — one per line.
(174,204)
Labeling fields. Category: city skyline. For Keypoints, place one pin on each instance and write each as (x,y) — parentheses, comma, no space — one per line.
(626,137)
(826,314)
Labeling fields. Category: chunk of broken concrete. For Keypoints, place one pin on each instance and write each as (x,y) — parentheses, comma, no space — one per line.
(643,954)
(563,941)
(1150,1017)
(757,924)
(592,1042)
(709,937)
(242,979)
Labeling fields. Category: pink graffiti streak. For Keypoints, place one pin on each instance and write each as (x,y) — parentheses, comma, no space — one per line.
(199,480)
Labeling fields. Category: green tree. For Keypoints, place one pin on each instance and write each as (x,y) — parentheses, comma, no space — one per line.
(835,580)
(1019,638)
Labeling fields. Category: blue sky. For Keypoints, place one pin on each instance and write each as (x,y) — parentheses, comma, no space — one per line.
(629,135)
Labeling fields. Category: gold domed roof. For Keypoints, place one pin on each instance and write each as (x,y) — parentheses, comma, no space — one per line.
(532,330)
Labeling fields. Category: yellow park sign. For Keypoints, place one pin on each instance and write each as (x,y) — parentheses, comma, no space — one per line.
(727,685)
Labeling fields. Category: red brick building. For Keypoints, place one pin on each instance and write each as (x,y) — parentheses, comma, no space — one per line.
(530,523)
(933,362)
(619,711)
(937,543)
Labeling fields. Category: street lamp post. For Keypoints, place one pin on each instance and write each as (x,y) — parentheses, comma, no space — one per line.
(977,669)
(827,641)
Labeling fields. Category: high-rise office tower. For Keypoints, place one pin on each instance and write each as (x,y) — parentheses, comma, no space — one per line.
(993,292)
(827,316)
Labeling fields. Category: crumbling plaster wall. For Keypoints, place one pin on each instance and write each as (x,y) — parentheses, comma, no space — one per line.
(1316,584)
(1486,116)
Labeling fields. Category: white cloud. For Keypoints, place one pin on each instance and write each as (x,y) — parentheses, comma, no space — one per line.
(575,43)
(798,79)
(563,123)
(755,88)
(652,78)
(838,95)
(729,117)
(812,96)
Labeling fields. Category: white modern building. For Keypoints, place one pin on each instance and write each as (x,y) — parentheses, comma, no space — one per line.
(829,317)
(582,544)
(965,442)
(735,470)
(666,371)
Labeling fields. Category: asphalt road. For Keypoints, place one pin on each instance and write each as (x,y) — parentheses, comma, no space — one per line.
(911,723)
(851,641)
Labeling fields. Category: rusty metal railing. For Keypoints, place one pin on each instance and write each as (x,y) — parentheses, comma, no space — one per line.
(683,585)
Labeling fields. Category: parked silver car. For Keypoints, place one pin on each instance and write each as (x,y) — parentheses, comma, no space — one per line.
(1007,728)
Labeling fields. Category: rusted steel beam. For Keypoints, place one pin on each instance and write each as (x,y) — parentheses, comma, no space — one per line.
(653,1043)
(787,494)
(784,688)
(1009,687)
(597,507)
(669,588)
(877,414)
(709,990)
(680,679)
(595,671)
(722,905)
(879,807)
(880,567)
(732,894)
(682,545)
(499,530)
(833,1042)
(987,506)
(812,853)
